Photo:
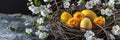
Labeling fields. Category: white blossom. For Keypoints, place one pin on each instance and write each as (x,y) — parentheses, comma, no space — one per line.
(37,33)
(107,12)
(89,34)
(111,36)
(102,11)
(79,2)
(40,20)
(43,35)
(96,2)
(45,11)
(111,3)
(42,28)
(66,4)
(115,30)
(48,6)
(95,38)
(92,3)
(34,9)
(48,0)
(28,30)
(30,0)
(89,4)
(118,2)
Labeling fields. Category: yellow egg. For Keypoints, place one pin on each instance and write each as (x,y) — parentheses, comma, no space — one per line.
(65,16)
(99,20)
(86,24)
(73,22)
(78,15)
(90,14)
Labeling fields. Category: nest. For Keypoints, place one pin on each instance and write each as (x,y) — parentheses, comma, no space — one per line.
(60,31)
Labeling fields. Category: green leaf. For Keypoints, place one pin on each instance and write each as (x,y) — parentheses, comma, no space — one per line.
(37,24)
(37,3)
(83,1)
(45,18)
(115,1)
(11,28)
(28,4)
(106,1)
(110,7)
(107,17)
(118,18)
(27,33)
(39,14)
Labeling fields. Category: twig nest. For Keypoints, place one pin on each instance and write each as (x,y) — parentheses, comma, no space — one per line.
(90,14)
(65,16)
(99,20)
(78,15)
(85,24)
(73,22)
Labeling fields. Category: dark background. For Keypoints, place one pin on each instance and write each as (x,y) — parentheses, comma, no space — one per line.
(14,6)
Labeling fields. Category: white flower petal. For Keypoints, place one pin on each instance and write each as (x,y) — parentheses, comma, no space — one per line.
(66,4)
(28,30)
(43,35)
(40,20)
(37,33)
(34,9)
(89,4)
(89,34)
(46,0)
(115,29)
(102,11)
(43,28)
(48,6)
(108,12)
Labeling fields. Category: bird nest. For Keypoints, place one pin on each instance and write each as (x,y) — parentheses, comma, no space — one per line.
(60,31)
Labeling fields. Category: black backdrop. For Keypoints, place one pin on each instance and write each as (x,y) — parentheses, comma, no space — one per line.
(14,6)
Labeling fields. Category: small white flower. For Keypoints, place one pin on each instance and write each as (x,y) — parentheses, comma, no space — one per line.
(34,9)
(31,3)
(48,0)
(115,30)
(45,11)
(89,34)
(92,3)
(42,28)
(43,35)
(37,33)
(118,2)
(30,0)
(79,2)
(96,2)
(27,24)
(89,4)
(102,11)
(66,4)
(111,3)
(108,12)
(28,30)
(111,36)
(48,6)
(40,20)
(95,38)
(99,39)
